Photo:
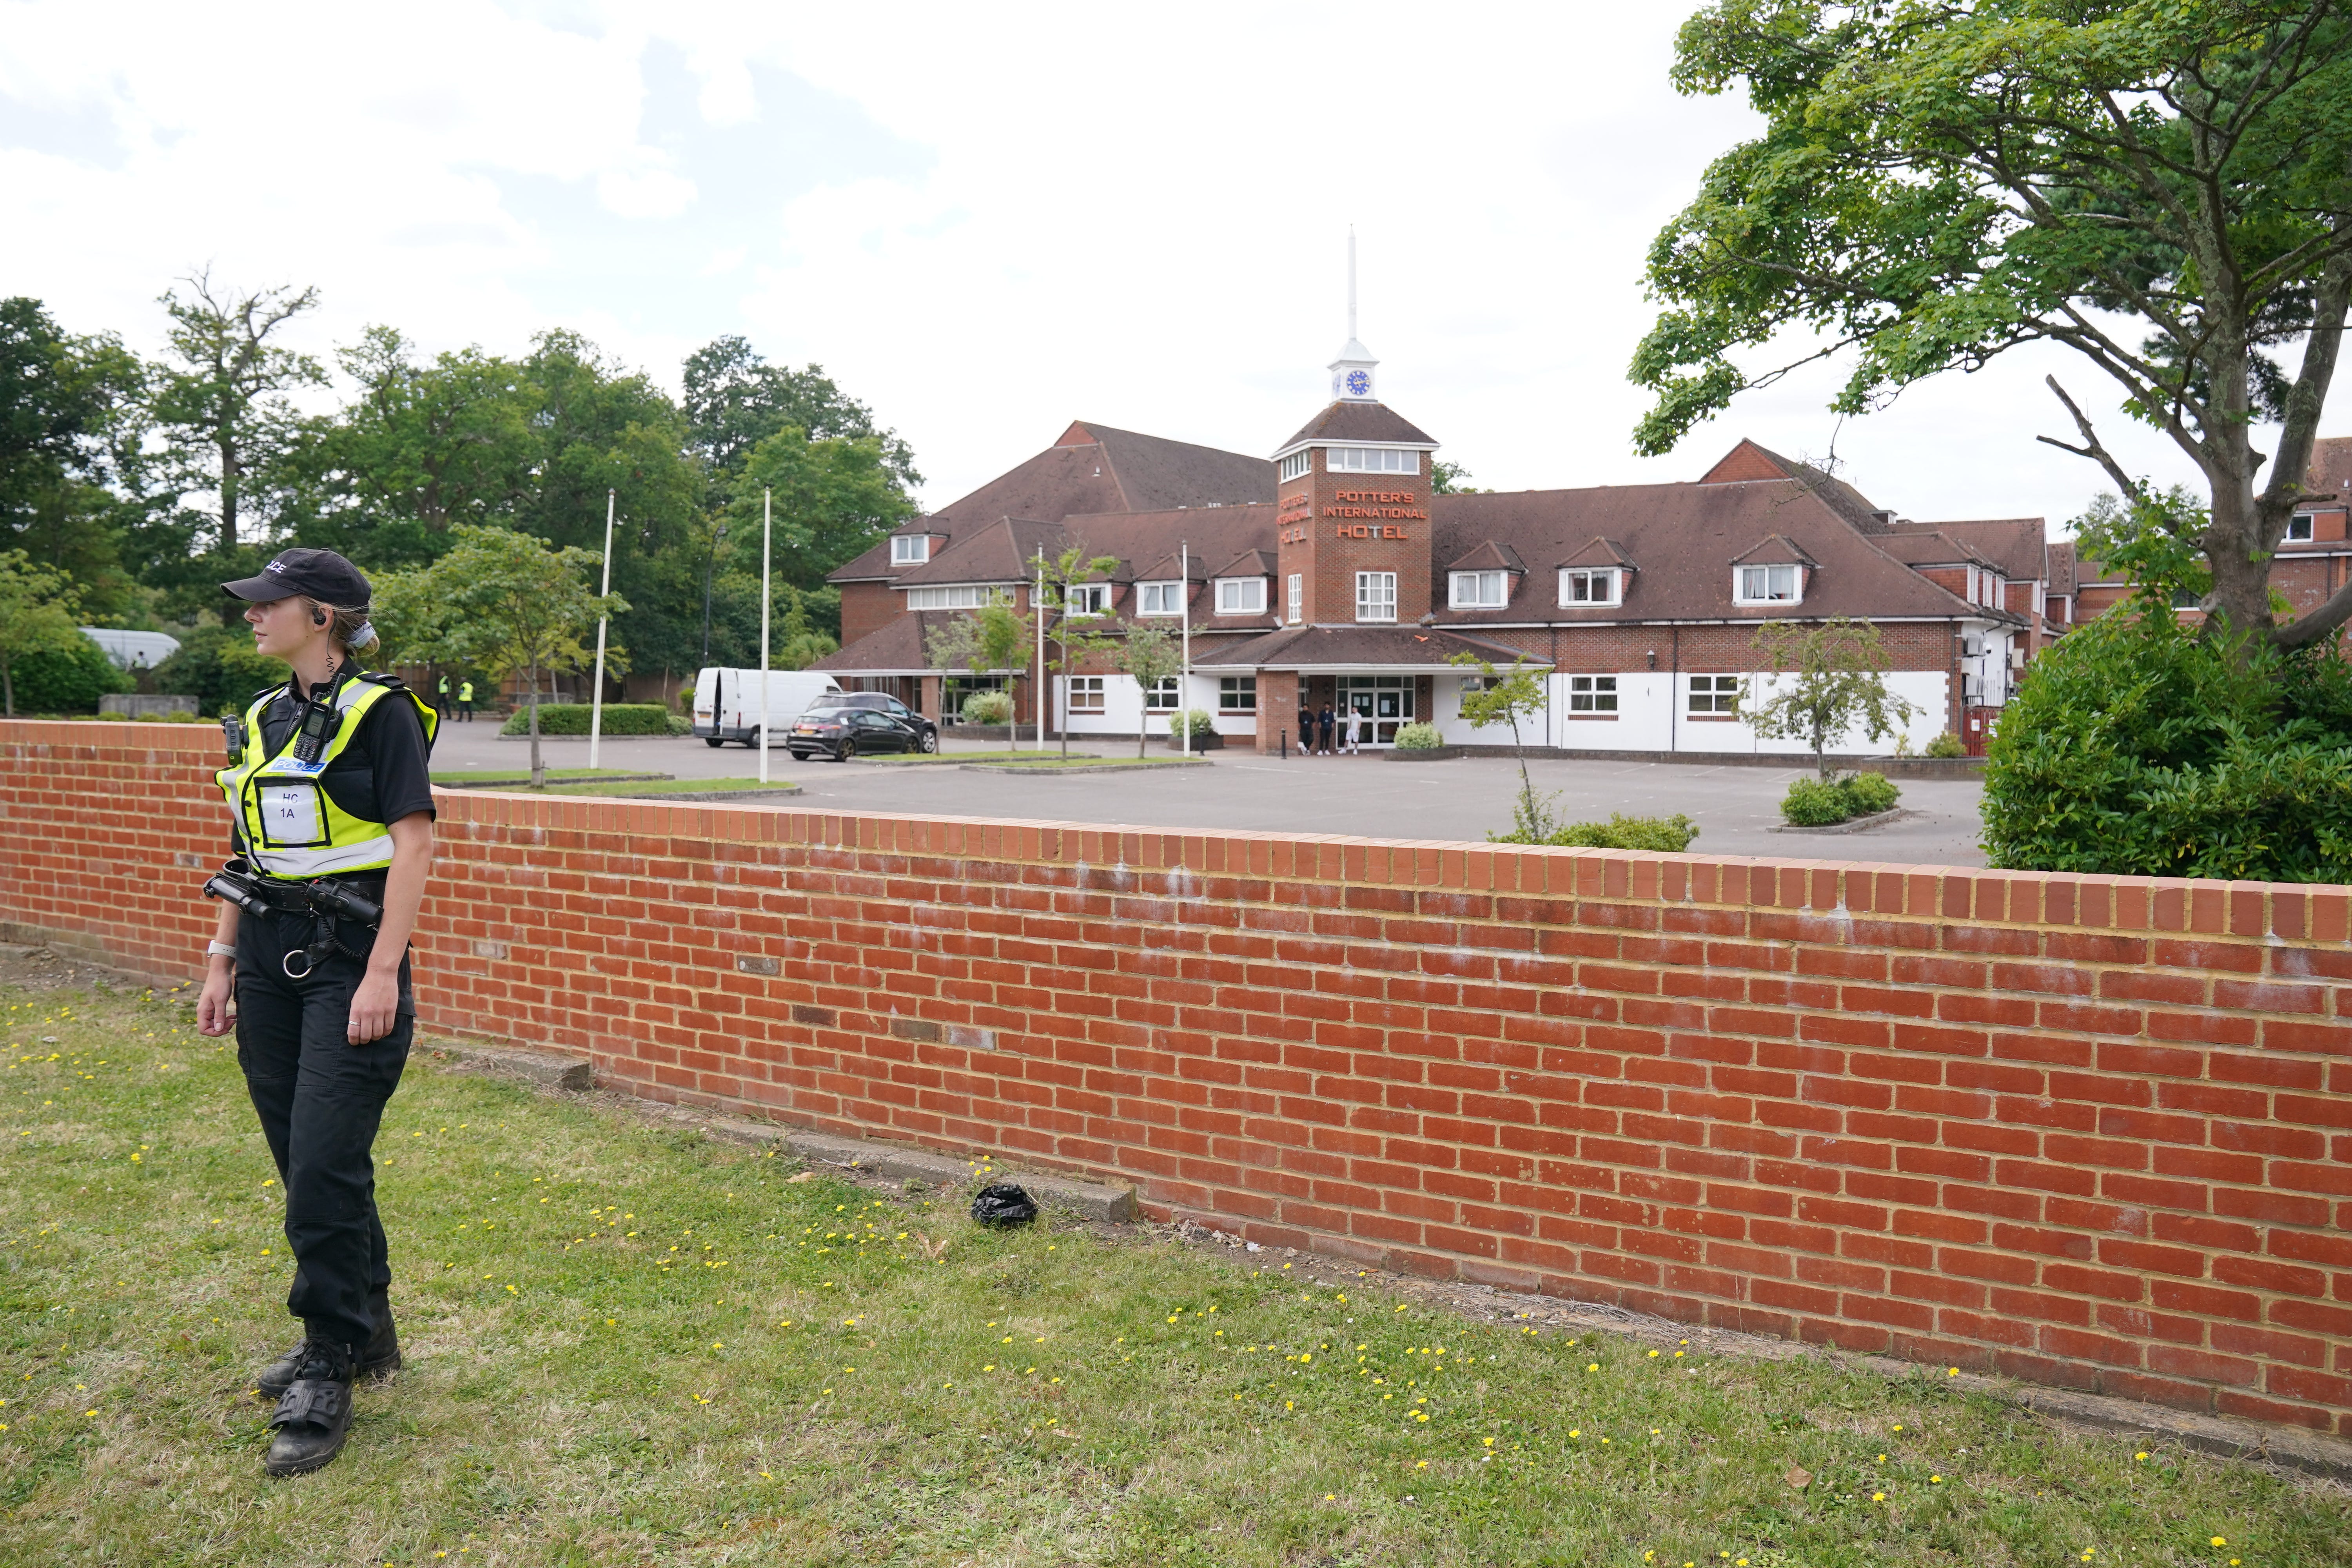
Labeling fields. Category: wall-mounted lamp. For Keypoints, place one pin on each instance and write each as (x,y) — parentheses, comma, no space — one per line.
(1653,659)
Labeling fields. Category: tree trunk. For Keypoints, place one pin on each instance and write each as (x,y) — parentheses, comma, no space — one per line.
(538,767)
(7,692)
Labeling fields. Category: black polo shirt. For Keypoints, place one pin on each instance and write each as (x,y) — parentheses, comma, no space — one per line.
(381,773)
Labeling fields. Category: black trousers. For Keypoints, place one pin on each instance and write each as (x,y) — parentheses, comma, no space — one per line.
(320,1099)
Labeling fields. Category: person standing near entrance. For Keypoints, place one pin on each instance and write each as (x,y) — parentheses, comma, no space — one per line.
(1323,724)
(465,700)
(332,816)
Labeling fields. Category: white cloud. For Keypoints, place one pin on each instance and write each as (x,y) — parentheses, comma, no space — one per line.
(985,222)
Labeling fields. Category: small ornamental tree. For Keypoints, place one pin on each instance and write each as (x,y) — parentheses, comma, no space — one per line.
(992,640)
(510,603)
(1839,686)
(1509,697)
(36,616)
(1150,656)
(1062,575)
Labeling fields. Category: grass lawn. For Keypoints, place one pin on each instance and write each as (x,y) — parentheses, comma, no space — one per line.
(667,786)
(626,1345)
(522,776)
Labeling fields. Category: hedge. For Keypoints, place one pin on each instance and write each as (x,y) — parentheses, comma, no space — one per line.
(571,719)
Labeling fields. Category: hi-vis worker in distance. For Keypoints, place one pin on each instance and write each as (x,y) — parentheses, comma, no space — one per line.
(331,813)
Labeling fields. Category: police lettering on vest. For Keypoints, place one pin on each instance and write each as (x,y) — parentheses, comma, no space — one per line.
(289,826)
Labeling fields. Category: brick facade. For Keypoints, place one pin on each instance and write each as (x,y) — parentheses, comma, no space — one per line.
(2093,1132)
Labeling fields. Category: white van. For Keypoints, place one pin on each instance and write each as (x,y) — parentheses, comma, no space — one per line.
(727,702)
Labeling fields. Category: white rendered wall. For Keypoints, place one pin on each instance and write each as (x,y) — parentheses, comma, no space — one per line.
(1123,707)
(1652,716)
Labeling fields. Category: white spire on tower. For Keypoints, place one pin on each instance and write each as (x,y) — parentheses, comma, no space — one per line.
(1351,372)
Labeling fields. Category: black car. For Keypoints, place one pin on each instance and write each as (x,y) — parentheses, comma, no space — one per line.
(843,724)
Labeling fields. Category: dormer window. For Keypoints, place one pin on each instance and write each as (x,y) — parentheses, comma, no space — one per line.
(910,549)
(1160,598)
(1370,460)
(2298,527)
(1580,585)
(1089,599)
(1767,586)
(1481,590)
(1241,595)
(1299,464)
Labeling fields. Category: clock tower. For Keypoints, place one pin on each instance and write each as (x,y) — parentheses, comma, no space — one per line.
(1353,489)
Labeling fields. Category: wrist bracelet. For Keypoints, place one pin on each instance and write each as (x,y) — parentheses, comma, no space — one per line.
(219,950)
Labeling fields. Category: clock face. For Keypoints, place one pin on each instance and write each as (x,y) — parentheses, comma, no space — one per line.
(1360,382)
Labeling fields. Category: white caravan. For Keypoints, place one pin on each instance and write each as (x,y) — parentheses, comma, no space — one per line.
(727,702)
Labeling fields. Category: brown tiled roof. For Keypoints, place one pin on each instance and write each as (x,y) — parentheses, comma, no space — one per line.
(1750,463)
(1248,564)
(1360,422)
(1685,537)
(1354,647)
(1004,551)
(1599,552)
(2016,546)
(1489,557)
(1932,548)
(2331,468)
(1774,550)
(2062,566)
(895,648)
(1093,468)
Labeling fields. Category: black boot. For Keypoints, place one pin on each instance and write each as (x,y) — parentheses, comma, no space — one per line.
(315,1415)
(381,1357)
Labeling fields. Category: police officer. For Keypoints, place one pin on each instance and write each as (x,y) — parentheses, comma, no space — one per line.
(333,810)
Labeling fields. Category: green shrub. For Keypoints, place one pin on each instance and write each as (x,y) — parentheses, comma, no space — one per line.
(1946,745)
(2135,747)
(1419,738)
(1202,723)
(1663,834)
(179,716)
(988,707)
(571,719)
(677,723)
(218,667)
(114,717)
(1871,793)
(1815,803)
(66,681)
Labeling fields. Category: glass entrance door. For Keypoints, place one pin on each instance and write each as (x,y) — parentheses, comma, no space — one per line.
(1373,707)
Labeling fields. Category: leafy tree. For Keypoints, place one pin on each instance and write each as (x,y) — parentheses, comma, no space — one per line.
(2163,186)
(1073,641)
(735,400)
(2136,747)
(994,639)
(69,679)
(71,434)
(1451,480)
(506,603)
(219,668)
(1838,685)
(221,399)
(37,609)
(1510,697)
(832,500)
(1150,656)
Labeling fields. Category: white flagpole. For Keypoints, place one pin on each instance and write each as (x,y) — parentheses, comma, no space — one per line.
(767,538)
(1037,608)
(596,702)
(1184,687)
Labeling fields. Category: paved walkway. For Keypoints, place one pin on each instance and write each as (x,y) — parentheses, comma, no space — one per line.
(1368,795)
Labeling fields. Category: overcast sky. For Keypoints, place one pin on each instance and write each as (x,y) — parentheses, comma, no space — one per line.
(985,221)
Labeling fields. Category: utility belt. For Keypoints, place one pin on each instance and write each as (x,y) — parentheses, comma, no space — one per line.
(324,899)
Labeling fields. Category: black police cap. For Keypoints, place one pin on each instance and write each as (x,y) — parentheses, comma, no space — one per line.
(319,575)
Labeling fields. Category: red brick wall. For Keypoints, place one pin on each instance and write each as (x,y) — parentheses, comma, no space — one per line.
(2087,1130)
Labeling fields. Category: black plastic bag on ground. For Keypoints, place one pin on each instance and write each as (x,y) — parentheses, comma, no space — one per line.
(1003,1205)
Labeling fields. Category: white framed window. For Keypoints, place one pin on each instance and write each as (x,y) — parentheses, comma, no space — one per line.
(1481,590)
(1297,585)
(1237,694)
(1299,464)
(1160,598)
(2299,526)
(1714,694)
(1241,595)
(1770,584)
(1089,599)
(962,597)
(1376,595)
(1578,585)
(910,549)
(1592,694)
(1087,693)
(1370,460)
(1162,696)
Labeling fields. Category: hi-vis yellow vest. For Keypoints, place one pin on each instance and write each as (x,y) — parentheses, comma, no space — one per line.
(290,825)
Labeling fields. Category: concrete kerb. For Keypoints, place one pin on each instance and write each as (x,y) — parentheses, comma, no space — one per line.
(2286,1448)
